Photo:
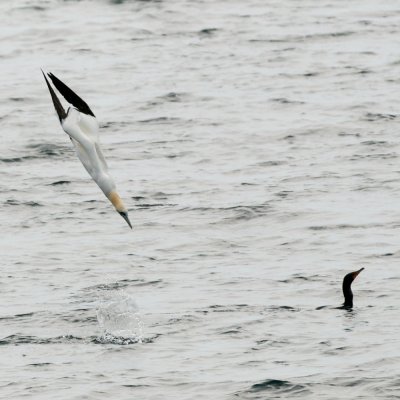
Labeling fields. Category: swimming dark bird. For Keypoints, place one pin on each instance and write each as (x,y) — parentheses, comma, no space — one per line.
(347,293)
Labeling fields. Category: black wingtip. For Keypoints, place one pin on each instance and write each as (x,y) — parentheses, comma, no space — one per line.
(70,95)
(57,104)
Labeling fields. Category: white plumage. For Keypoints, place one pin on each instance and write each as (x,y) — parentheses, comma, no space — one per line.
(81,125)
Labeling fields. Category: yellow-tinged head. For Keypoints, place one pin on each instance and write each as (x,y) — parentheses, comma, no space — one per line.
(119,206)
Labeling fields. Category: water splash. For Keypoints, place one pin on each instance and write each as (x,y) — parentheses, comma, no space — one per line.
(119,319)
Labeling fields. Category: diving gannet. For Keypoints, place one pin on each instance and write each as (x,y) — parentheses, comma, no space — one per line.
(81,125)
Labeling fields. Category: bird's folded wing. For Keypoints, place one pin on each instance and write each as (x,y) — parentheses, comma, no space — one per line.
(71,96)
(101,157)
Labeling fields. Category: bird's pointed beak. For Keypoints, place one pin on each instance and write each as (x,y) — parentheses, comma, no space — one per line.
(355,273)
(57,104)
(124,215)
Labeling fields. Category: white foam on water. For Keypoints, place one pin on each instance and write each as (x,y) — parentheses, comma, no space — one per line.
(119,319)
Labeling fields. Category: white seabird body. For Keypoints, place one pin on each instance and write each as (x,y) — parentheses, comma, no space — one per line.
(82,127)
(87,148)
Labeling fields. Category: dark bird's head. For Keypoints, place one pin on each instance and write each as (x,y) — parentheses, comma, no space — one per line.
(348,294)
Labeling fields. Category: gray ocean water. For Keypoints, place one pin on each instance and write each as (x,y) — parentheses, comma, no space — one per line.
(256,145)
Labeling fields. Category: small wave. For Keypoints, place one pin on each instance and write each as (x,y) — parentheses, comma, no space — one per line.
(110,286)
(120,124)
(60,183)
(344,134)
(276,384)
(343,226)
(374,143)
(327,35)
(21,339)
(118,2)
(298,277)
(269,342)
(270,163)
(43,364)
(225,308)
(289,137)
(284,100)
(135,386)
(172,97)
(159,120)
(272,387)
(17,159)
(364,71)
(249,212)
(208,31)
(12,202)
(40,151)
(46,150)
(17,316)
(232,331)
(379,116)
(238,213)
(138,198)
(284,308)
(164,196)
(181,319)
(18,339)
(383,156)
(149,205)
(283,194)
(304,38)
(82,50)
(34,8)
(395,254)
(123,283)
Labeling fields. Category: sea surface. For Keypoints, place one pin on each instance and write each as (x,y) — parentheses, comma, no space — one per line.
(256,145)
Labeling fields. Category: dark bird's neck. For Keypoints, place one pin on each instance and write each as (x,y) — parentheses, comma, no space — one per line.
(347,293)
(348,297)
